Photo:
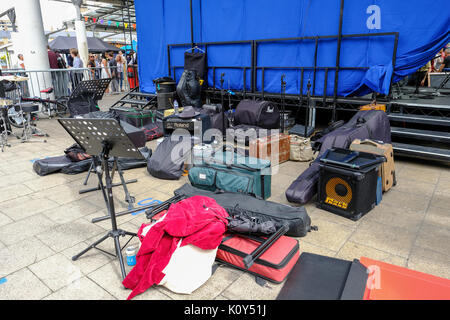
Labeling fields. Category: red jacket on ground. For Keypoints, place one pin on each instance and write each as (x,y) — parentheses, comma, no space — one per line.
(198,220)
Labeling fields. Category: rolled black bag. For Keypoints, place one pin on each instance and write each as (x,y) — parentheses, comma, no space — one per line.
(247,206)
(47,166)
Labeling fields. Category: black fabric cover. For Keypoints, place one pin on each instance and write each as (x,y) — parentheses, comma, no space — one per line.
(367,124)
(297,218)
(65,165)
(189,89)
(196,61)
(164,164)
(47,166)
(316,277)
(263,114)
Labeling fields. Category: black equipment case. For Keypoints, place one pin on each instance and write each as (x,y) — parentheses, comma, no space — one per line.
(348,182)
(262,114)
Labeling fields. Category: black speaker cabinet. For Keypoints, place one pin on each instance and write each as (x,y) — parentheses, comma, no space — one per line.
(345,187)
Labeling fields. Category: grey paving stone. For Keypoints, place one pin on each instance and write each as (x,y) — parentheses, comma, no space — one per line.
(16,231)
(246,288)
(67,235)
(434,238)
(352,250)
(81,289)
(90,261)
(22,254)
(109,278)
(330,235)
(23,285)
(56,271)
(428,261)
(391,239)
(14,191)
(25,208)
(71,211)
(4,219)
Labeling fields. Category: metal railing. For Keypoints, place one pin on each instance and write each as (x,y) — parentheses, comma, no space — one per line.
(63,81)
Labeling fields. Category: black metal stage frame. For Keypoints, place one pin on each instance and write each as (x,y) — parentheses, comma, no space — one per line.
(333,103)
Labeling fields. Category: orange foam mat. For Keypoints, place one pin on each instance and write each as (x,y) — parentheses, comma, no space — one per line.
(390,282)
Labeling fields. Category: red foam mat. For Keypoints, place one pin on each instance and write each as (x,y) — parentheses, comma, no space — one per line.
(389,282)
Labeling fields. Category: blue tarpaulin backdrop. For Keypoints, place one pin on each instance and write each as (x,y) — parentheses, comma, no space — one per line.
(423,26)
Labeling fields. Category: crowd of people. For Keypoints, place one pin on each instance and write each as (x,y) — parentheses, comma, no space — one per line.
(105,65)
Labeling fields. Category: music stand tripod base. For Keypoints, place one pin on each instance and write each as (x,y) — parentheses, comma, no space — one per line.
(98,170)
(104,138)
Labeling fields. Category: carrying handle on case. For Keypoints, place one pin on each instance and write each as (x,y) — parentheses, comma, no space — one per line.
(251,258)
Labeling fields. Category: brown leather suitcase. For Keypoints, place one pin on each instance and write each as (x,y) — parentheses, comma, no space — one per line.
(271,147)
(387,171)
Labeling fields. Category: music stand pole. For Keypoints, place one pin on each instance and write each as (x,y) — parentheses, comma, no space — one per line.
(105,138)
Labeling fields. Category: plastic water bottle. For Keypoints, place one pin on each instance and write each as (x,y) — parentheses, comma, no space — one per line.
(131,256)
(175,106)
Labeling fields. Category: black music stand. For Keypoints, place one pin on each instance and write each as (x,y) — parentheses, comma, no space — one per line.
(104,138)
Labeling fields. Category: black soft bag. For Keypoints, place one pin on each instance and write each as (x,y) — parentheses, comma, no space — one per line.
(263,114)
(165,164)
(189,89)
(247,206)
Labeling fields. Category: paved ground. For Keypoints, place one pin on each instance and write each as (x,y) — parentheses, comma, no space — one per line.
(44,221)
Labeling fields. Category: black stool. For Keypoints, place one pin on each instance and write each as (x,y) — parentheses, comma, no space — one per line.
(29,127)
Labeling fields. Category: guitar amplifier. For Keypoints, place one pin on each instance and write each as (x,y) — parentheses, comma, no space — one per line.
(348,182)
(195,125)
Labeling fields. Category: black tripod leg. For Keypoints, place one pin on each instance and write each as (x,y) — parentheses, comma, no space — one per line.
(119,255)
(128,198)
(89,172)
(75,257)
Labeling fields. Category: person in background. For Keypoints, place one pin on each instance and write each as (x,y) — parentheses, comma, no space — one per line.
(438,59)
(105,71)
(20,62)
(114,85)
(52,58)
(77,64)
(446,62)
(21,65)
(62,77)
(91,64)
(120,69)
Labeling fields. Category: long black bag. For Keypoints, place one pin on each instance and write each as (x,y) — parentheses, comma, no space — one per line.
(371,124)
(244,205)
(196,61)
